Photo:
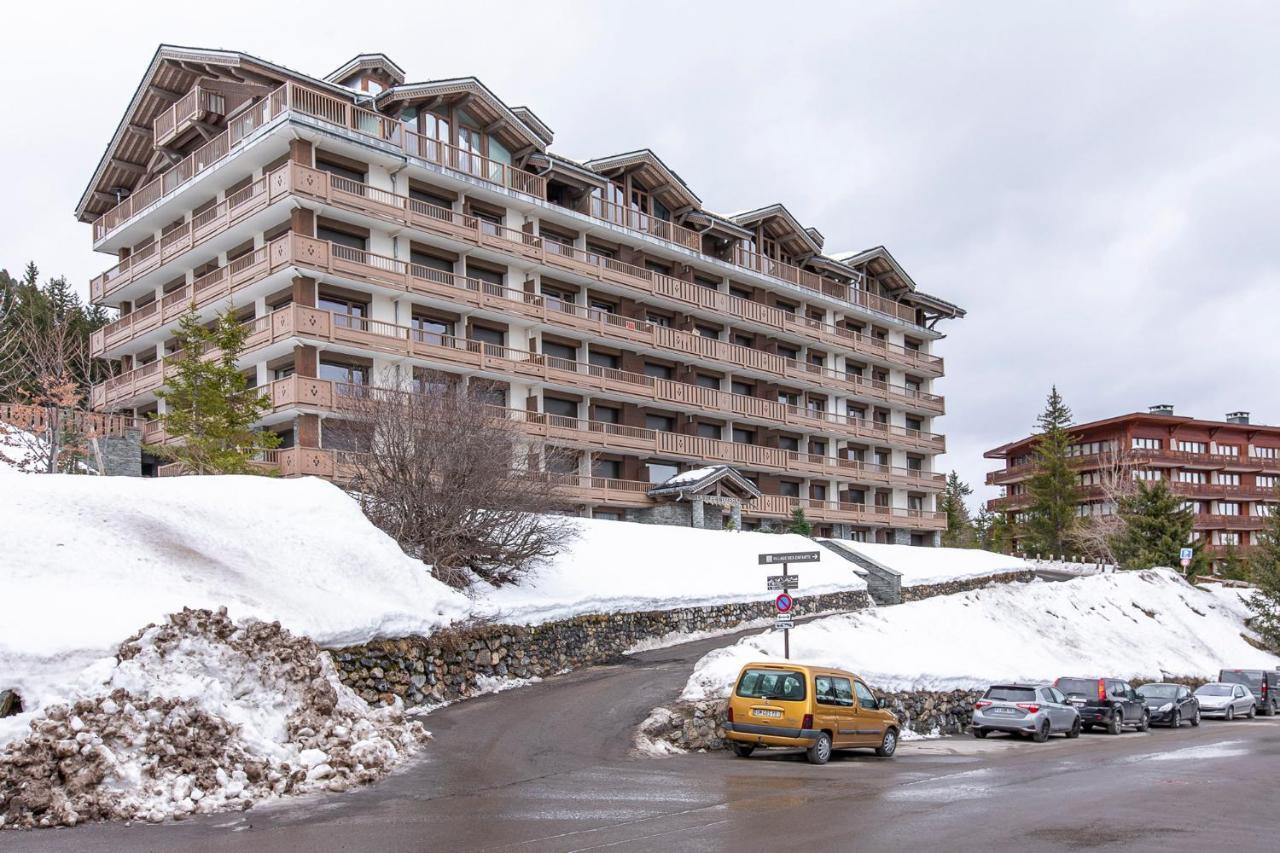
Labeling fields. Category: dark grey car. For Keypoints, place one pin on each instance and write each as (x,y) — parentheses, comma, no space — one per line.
(1038,710)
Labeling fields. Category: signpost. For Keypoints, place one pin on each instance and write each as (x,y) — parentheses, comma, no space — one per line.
(783,584)
(1185,556)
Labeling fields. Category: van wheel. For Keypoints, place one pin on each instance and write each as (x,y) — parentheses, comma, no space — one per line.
(1042,733)
(820,752)
(1117,722)
(979,732)
(743,750)
(1074,731)
(889,745)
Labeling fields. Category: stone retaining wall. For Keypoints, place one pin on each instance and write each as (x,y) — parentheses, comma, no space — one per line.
(447,665)
(915,593)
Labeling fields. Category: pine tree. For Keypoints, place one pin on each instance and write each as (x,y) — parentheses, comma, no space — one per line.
(959,532)
(1264,571)
(1051,517)
(1156,527)
(1234,567)
(210,408)
(799,524)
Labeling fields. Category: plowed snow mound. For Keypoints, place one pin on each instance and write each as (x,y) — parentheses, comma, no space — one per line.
(200,714)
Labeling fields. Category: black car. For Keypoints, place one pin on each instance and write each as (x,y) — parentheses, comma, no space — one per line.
(1170,704)
(1108,702)
(1264,684)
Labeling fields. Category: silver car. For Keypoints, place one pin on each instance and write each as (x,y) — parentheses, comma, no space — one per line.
(1219,699)
(1038,710)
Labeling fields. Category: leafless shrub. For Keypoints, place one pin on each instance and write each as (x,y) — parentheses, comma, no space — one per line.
(452,479)
(1097,533)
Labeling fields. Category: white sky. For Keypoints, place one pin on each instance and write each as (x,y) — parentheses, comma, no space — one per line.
(1095,182)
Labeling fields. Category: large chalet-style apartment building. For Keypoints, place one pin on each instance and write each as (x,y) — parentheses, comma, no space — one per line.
(1228,471)
(364,227)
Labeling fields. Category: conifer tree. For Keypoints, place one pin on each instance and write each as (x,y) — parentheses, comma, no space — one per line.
(960,530)
(799,524)
(1156,527)
(1264,571)
(1051,518)
(210,408)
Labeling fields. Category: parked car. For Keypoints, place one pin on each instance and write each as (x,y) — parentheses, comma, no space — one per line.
(1038,710)
(1170,704)
(816,708)
(1108,702)
(1264,684)
(1220,699)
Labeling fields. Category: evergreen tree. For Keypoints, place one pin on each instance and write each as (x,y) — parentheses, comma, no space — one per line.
(1264,571)
(959,532)
(31,314)
(210,408)
(1155,528)
(1051,517)
(799,524)
(1234,566)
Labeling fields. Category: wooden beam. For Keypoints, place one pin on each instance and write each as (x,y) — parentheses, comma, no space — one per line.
(164,94)
(128,165)
(495,125)
(141,130)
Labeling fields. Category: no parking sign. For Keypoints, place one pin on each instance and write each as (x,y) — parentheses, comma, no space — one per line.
(784,603)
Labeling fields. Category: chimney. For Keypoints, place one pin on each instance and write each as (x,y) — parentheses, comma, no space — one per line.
(1237,417)
(1161,409)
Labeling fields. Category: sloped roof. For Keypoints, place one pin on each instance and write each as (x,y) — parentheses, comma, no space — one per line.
(491,103)
(646,157)
(363,61)
(780,212)
(702,480)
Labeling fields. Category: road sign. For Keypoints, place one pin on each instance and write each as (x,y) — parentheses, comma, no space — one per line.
(781,582)
(1186,555)
(782,622)
(792,557)
(1185,563)
(784,603)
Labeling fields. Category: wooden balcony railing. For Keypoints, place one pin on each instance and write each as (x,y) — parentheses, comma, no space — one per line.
(645,223)
(197,105)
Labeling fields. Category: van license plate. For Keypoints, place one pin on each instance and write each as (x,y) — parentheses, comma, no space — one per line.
(765,712)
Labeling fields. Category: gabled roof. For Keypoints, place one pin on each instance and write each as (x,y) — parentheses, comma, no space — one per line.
(879,264)
(722,224)
(537,125)
(365,61)
(490,104)
(566,170)
(779,212)
(703,480)
(668,178)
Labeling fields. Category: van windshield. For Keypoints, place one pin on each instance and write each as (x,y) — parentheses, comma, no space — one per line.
(771,684)
(1240,677)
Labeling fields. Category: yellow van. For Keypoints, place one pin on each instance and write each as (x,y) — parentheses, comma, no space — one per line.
(816,708)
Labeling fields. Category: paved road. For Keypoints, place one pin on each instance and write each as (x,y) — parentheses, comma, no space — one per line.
(548,768)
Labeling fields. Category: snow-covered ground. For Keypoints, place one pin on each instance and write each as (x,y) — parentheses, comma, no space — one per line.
(616,565)
(1130,624)
(90,560)
(920,566)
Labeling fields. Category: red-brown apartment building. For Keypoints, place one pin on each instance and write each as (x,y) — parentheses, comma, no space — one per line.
(1228,471)
(363,226)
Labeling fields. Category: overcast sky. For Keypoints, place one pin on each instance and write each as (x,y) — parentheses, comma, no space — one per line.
(1096,183)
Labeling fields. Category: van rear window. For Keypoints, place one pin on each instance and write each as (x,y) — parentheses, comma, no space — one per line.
(1245,677)
(1078,686)
(771,684)
(1011,694)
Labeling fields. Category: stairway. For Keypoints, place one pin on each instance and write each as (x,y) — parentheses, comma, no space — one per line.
(883,585)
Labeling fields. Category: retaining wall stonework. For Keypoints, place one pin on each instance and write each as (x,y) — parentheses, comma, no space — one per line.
(915,593)
(447,665)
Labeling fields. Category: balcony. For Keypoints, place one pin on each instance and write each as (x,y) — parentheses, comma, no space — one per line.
(1209,521)
(313,105)
(196,107)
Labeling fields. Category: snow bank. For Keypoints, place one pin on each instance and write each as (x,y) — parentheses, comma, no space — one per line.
(620,566)
(1130,624)
(919,566)
(200,714)
(89,559)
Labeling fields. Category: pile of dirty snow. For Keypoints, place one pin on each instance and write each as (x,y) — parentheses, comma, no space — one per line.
(920,566)
(613,566)
(200,714)
(89,559)
(1130,625)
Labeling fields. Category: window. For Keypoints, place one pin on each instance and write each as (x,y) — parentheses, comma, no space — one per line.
(1224,479)
(350,374)
(1267,481)
(704,380)
(657,371)
(709,431)
(788,398)
(431,331)
(608,415)
(660,472)
(1148,474)
(1226,537)
(742,388)
(789,489)
(602,307)
(1227,450)
(703,281)
(832,690)
(493,337)
(660,423)
(1146,444)
(610,469)
(744,341)
(560,408)
(866,698)
(743,436)
(1191,477)
(786,442)
(707,331)
(1192,447)
(658,319)
(341,171)
(1265,452)
(818,492)
(1228,508)
(342,238)
(817,447)
(602,359)
(563,351)
(1089,448)
(771,684)
(487,276)
(424,265)
(789,353)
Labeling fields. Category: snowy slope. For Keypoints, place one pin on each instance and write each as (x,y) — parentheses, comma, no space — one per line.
(89,560)
(1131,624)
(617,565)
(919,566)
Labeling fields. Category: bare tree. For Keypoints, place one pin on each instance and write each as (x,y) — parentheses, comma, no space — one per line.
(452,479)
(1117,480)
